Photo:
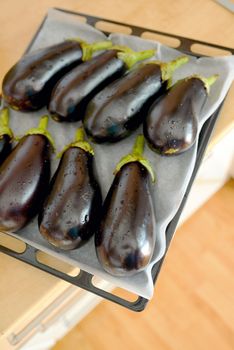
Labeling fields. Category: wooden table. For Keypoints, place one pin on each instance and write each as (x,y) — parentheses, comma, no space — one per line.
(23,289)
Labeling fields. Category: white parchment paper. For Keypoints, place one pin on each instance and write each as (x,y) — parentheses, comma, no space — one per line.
(173,173)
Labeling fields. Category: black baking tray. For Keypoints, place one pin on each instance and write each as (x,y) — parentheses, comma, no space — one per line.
(83,279)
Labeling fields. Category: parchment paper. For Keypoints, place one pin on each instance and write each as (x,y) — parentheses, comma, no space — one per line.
(173,173)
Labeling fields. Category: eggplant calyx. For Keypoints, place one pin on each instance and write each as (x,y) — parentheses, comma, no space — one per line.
(131,58)
(89,49)
(171,151)
(208,82)
(79,142)
(41,130)
(168,68)
(121,48)
(4,123)
(136,156)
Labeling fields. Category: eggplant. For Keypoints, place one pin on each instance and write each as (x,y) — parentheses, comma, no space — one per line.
(121,107)
(72,93)
(125,239)
(28,84)
(6,135)
(71,210)
(24,178)
(171,125)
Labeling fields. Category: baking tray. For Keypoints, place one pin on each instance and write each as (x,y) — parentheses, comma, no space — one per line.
(84,280)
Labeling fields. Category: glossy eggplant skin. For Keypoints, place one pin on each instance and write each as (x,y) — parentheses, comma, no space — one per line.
(28,84)
(125,240)
(121,107)
(71,211)
(72,93)
(172,122)
(24,180)
(5,147)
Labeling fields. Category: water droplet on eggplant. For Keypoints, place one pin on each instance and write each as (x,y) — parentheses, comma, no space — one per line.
(40,70)
(25,195)
(67,227)
(172,122)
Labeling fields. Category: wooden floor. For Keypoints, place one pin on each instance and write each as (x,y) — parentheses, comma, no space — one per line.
(193,305)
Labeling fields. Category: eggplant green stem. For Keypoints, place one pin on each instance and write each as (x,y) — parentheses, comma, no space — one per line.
(78,142)
(139,145)
(42,130)
(168,68)
(80,135)
(89,49)
(136,156)
(132,57)
(4,123)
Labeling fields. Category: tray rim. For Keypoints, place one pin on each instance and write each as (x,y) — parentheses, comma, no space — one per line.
(84,279)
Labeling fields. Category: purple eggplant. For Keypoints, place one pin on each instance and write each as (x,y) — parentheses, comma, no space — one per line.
(72,93)
(28,84)
(71,210)
(121,107)
(172,123)
(6,135)
(24,178)
(125,240)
